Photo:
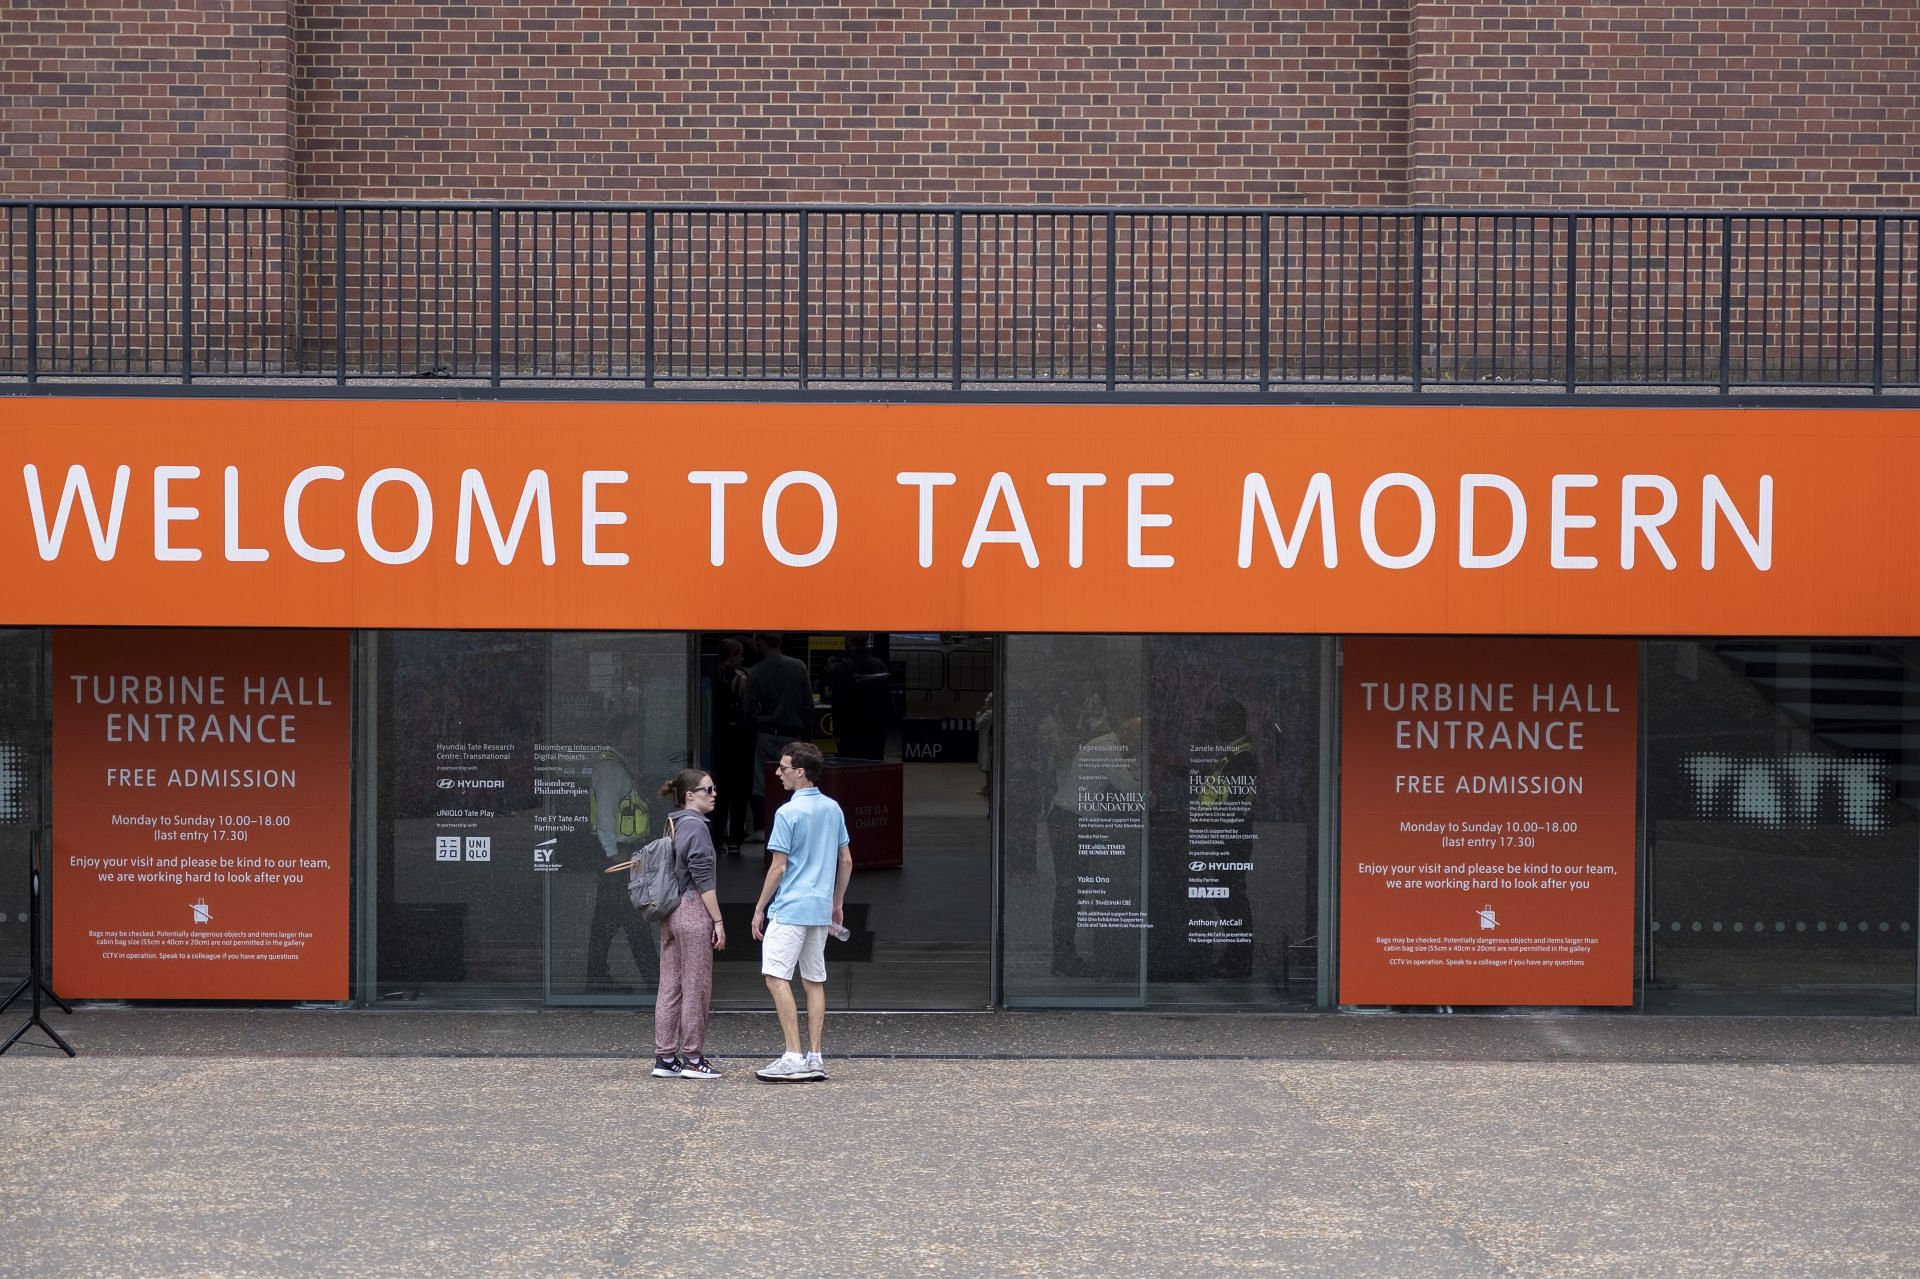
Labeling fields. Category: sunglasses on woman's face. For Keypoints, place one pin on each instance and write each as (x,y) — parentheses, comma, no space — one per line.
(702,790)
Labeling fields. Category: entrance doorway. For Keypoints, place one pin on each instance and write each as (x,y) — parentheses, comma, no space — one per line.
(905,721)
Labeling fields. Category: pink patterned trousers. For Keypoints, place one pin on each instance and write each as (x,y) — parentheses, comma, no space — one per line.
(685,1000)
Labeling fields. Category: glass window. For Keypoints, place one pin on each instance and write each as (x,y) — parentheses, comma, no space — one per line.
(512,769)
(1782,780)
(1161,835)
(23,746)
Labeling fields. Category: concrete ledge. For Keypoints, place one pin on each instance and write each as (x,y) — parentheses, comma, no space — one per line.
(148,1032)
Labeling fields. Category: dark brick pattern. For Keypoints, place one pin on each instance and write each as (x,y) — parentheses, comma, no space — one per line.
(1741,105)
(1342,102)
(937,101)
(175,98)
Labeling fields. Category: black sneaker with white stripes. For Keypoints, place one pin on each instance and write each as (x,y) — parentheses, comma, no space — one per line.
(668,1067)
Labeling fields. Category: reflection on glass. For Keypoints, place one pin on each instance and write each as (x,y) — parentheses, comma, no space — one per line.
(1160,838)
(513,769)
(23,744)
(1235,763)
(1781,796)
(616,727)
(1066,700)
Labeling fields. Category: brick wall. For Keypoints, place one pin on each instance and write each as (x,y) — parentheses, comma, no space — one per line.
(1345,102)
(187,98)
(1349,102)
(1729,104)
(928,101)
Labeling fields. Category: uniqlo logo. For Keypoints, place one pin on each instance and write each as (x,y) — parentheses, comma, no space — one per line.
(479,848)
(446,848)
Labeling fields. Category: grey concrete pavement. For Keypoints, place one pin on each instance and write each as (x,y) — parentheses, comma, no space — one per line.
(1107,1147)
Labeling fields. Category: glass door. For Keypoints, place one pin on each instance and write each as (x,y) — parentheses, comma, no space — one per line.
(906,724)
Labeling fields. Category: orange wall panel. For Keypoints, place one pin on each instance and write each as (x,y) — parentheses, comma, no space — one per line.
(1636,521)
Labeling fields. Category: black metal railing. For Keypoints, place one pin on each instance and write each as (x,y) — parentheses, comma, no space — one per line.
(957,300)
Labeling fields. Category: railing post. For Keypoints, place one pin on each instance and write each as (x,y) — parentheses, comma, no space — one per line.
(33,294)
(1570,354)
(186,295)
(1726,305)
(647,341)
(959,297)
(1879,303)
(1113,300)
(806,321)
(1266,301)
(340,294)
(493,335)
(1419,298)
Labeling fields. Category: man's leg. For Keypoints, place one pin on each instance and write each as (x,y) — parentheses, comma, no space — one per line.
(600,931)
(783,1005)
(816,1015)
(640,942)
(766,750)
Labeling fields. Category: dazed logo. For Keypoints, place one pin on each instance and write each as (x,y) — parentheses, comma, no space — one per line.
(1798,789)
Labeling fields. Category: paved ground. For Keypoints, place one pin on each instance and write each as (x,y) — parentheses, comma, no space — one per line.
(310,1144)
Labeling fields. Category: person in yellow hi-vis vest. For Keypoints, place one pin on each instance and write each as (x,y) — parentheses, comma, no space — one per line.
(618,814)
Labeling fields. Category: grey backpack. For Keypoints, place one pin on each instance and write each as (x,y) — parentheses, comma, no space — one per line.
(653,881)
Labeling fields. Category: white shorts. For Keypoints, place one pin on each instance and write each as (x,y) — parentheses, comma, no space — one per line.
(788,944)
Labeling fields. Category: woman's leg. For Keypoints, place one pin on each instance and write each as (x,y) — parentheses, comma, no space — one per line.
(667,1003)
(693,939)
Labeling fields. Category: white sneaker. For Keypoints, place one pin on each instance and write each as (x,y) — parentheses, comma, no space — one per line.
(817,1066)
(787,1069)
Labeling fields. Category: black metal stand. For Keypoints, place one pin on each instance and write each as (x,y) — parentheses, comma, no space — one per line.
(34,985)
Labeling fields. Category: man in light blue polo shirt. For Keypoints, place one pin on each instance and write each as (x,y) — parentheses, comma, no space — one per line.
(807,876)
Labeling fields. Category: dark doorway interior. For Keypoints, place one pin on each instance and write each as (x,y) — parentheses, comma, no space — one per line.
(906,723)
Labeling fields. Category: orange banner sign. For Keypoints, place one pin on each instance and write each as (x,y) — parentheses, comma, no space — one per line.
(200,814)
(1451,520)
(1487,800)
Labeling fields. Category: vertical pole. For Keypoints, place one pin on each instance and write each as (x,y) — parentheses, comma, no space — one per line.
(1726,305)
(1572,302)
(647,341)
(1419,298)
(364,688)
(1266,301)
(806,319)
(340,294)
(1326,988)
(1879,304)
(186,295)
(1113,301)
(33,294)
(493,324)
(959,298)
(1645,859)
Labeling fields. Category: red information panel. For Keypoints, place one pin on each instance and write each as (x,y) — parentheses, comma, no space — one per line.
(200,795)
(1487,821)
(869,795)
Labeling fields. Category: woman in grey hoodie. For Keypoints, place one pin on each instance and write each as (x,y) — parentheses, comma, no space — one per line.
(689,936)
